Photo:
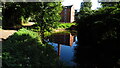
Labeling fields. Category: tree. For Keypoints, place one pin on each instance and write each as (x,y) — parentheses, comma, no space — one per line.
(98,37)
(86,4)
(0,16)
(10,15)
(109,4)
(17,13)
(85,10)
(46,14)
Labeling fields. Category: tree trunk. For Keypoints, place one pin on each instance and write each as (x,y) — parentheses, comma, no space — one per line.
(42,37)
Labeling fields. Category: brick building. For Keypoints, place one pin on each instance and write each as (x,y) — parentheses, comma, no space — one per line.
(67,14)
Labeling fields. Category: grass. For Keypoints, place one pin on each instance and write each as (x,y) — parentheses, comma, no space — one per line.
(65,25)
(27,24)
(60,32)
(60,26)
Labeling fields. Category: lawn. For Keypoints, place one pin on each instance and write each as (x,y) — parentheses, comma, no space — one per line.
(65,25)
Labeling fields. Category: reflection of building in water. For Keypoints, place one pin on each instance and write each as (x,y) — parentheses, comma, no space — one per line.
(59,38)
(65,39)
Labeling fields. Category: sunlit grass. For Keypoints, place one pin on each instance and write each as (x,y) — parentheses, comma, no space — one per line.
(27,24)
(65,25)
(60,26)
(60,32)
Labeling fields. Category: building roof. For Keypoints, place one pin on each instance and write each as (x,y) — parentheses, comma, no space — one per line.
(69,6)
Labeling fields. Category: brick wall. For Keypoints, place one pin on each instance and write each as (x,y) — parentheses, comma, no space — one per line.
(67,14)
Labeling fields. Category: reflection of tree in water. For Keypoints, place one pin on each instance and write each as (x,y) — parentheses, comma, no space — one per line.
(98,42)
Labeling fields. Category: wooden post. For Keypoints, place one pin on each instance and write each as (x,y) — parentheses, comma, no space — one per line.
(59,49)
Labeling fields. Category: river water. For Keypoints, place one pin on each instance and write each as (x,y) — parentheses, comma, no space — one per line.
(84,56)
(64,44)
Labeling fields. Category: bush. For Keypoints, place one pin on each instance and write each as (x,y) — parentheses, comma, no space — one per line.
(98,37)
(24,49)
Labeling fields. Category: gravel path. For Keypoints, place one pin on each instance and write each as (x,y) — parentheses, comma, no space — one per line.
(4,34)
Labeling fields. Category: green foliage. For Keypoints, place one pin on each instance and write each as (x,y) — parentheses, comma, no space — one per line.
(25,49)
(48,34)
(45,13)
(35,28)
(11,15)
(109,4)
(85,10)
(98,37)
(65,25)
(105,10)
(86,4)
(49,16)
(100,27)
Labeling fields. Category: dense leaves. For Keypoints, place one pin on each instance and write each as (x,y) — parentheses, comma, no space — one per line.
(46,14)
(25,50)
(85,10)
(48,17)
(109,4)
(99,36)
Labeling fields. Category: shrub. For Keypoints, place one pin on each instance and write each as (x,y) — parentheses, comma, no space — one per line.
(24,49)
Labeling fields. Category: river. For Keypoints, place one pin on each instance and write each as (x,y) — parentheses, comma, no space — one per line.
(64,44)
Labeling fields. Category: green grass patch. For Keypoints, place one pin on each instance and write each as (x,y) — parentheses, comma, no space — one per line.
(65,25)
(61,32)
(51,33)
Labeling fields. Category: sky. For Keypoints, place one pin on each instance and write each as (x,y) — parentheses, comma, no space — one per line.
(77,3)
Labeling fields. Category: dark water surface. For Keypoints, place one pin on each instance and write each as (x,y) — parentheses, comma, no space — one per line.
(84,55)
(64,44)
